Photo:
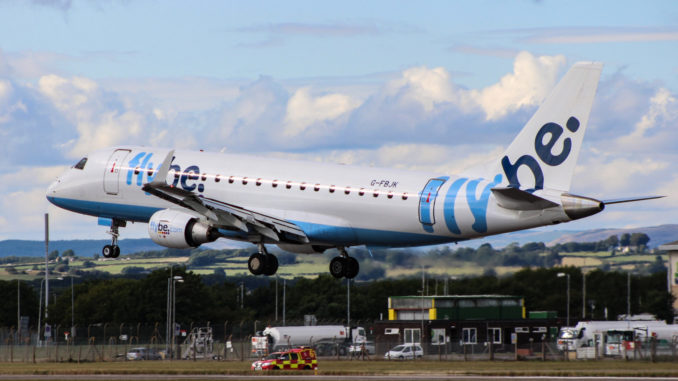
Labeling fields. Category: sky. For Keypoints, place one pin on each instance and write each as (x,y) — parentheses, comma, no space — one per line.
(432,85)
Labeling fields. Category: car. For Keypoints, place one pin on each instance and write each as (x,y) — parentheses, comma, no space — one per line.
(293,359)
(405,351)
(143,353)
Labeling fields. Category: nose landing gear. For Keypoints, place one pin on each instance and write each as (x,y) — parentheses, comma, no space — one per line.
(262,262)
(344,265)
(113,250)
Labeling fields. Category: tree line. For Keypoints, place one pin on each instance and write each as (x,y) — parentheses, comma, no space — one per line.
(216,298)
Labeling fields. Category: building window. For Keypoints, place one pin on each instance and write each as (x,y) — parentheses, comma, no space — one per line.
(438,336)
(494,335)
(412,335)
(469,336)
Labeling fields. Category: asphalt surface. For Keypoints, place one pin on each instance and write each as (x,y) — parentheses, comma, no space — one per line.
(423,377)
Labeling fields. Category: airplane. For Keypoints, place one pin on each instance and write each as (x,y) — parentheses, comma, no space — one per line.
(189,198)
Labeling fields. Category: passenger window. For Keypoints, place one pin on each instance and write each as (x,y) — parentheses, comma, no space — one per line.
(390,195)
(204,176)
(217,178)
(81,164)
(302,186)
(361,192)
(137,170)
(316,187)
(331,188)
(347,190)
(294,356)
(376,193)
(259,182)
(230,179)
(405,196)
(288,185)
(244,180)
(274,184)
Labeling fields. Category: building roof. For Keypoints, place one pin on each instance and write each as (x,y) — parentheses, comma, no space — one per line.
(671,246)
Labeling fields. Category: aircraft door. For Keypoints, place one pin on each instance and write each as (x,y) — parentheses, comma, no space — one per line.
(112,171)
(427,202)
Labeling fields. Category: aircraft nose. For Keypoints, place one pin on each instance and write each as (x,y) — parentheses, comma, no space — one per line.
(52,190)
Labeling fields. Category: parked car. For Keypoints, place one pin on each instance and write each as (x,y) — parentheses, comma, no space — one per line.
(293,359)
(143,353)
(405,351)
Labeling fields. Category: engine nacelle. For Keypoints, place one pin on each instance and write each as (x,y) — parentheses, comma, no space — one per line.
(179,230)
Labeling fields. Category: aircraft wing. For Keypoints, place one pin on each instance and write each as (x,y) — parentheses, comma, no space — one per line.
(222,214)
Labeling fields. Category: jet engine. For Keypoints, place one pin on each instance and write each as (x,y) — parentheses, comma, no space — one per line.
(179,230)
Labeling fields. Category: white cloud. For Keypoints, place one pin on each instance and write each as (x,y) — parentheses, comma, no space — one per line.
(531,81)
(422,85)
(303,110)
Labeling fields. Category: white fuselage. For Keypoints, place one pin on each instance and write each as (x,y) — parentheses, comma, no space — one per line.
(335,205)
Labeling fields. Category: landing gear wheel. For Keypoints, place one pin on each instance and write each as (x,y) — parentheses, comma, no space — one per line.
(338,267)
(107,251)
(270,264)
(116,251)
(352,268)
(256,263)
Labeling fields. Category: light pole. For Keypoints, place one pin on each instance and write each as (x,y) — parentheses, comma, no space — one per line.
(583,296)
(175,279)
(40,307)
(628,296)
(348,302)
(560,275)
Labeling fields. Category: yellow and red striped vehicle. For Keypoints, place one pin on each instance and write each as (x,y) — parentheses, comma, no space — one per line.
(294,359)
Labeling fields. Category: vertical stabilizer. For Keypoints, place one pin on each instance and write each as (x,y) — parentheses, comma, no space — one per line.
(545,152)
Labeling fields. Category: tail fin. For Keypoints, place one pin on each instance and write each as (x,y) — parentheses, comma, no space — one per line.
(549,143)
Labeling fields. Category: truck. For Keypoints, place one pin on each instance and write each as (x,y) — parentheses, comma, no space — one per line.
(327,340)
(614,338)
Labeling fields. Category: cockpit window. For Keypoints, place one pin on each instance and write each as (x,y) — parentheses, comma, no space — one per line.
(81,163)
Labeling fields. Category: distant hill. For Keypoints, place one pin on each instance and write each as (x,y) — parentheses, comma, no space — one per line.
(659,235)
(81,247)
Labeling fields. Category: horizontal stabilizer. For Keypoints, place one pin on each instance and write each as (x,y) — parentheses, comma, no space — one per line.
(633,199)
(516,199)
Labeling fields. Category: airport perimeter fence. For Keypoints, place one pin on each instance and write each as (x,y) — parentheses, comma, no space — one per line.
(107,342)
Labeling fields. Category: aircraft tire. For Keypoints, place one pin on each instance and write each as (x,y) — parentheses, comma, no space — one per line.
(116,251)
(338,267)
(352,268)
(256,264)
(107,251)
(270,264)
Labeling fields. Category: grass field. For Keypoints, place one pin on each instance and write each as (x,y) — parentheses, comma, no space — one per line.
(312,265)
(611,368)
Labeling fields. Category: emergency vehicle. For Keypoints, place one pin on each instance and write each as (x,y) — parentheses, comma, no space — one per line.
(294,359)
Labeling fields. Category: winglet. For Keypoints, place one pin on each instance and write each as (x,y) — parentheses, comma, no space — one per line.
(161,176)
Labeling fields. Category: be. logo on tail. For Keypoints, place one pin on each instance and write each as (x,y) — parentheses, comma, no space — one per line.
(544,152)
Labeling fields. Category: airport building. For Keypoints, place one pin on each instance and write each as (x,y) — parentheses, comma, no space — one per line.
(460,320)
(672,250)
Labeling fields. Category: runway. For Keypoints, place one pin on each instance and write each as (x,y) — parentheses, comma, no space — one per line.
(422,377)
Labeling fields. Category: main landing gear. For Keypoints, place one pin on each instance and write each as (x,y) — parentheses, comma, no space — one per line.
(113,250)
(262,262)
(344,265)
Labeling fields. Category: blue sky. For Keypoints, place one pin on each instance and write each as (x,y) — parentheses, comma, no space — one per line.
(434,85)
